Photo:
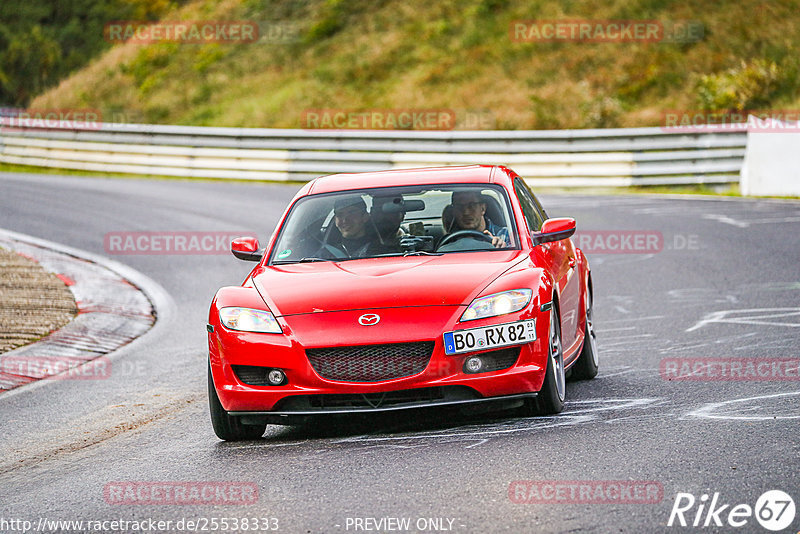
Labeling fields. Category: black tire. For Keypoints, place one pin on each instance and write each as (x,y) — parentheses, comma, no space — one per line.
(226,427)
(586,366)
(550,399)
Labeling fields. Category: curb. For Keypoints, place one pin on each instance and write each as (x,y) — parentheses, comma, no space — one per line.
(117,306)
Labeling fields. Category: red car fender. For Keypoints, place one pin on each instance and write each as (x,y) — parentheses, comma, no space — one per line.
(523,275)
(586,278)
(245,297)
(538,257)
(527,275)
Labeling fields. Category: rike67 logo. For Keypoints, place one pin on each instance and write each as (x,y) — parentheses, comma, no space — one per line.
(774,510)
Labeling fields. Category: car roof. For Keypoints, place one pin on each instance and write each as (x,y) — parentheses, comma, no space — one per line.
(478,174)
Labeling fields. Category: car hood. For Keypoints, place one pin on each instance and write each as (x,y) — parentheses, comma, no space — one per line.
(447,280)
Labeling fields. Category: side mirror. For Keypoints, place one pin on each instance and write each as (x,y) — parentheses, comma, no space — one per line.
(246,248)
(554,230)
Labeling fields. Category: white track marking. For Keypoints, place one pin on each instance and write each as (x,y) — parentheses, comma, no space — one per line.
(230,445)
(614,329)
(627,337)
(607,411)
(476,434)
(609,375)
(693,347)
(641,372)
(754,316)
(710,410)
(699,295)
(578,412)
(642,417)
(774,220)
(650,318)
(725,220)
(605,405)
(772,344)
(660,210)
(747,222)
(606,345)
(487,431)
(677,347)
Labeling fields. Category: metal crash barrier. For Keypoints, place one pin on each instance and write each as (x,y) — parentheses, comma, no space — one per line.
(561,158)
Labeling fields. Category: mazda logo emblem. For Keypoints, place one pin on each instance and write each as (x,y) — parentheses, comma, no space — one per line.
(369,319)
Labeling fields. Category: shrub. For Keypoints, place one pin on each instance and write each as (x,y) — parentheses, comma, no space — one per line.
(745,87)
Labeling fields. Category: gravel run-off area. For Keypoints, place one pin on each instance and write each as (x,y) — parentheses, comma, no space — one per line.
(34,302)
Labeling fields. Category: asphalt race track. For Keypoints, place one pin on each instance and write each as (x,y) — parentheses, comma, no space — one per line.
(723,282)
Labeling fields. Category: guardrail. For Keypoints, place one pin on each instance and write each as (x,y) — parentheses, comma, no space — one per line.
(602,157)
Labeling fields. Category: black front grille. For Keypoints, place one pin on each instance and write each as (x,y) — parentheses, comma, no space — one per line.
(371,363)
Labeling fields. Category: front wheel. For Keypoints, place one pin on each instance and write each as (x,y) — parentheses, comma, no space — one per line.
(550,399)
(586,366)
(225,426)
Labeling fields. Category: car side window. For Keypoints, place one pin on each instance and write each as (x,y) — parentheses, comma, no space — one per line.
(530,208)
(536,202)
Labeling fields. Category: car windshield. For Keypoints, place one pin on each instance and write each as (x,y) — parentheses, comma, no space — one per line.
(396,221)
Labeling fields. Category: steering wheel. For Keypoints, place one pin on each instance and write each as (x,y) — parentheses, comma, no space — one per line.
(455,236)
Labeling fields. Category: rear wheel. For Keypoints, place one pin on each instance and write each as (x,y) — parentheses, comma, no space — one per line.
(550,399)
(227,427)
(586,366)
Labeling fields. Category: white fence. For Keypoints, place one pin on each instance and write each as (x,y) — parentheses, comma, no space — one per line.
(607,157)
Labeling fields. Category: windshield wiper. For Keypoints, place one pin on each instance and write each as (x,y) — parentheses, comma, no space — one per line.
(422,253)
(301,260)
(409,253)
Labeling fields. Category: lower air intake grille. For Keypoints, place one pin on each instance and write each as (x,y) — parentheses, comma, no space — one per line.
(251,374)
(371,363)
(497,360)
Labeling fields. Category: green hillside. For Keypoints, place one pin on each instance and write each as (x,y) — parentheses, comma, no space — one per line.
(43,41)
(459,56)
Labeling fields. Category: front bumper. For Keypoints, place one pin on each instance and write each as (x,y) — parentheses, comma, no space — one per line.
(306,392)
(405,406)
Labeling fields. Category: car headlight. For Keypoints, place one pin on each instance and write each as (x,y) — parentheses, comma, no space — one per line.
(249,320)
(497,304)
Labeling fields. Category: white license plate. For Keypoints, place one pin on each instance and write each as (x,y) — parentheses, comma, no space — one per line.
(488,337)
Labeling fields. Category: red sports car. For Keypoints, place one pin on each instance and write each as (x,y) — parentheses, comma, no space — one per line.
(402,289)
